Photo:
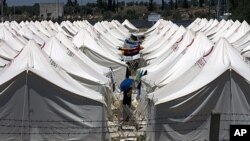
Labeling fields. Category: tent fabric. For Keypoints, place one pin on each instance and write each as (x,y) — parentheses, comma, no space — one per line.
(6,52)
(200,46)
(221,85)
(163,39)
(64,40)
(240,32)
(3,62)
(72,64)
(129,25)
(215,29)
(93,50)
(33,82)
(34,104)
(187,40)
(10,40)
(160,53)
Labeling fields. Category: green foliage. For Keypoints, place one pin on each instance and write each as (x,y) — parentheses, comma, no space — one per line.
(201,2)
(71,8)
(177,15)
(240,10)
(194,2)
(131,14)
(185,4)
(99,4)
(201,14)
(151,6)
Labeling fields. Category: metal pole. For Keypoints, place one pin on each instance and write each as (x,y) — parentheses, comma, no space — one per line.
(2,11)
(214,126)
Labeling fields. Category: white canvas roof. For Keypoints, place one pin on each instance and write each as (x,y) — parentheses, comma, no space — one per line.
(200,25)
(99,27)
(62,38)
(208,25)
(120,28)
(240,32)
(216,28)
(242,41)
(161,52)
(214,24)
(129,25)
(6,52)
(10,40)
(221,29)
(94,51)
(32,59)
(163,39)
(195,22)
(30,35)
(3,62)
(177,52)
(156,36)
(223,58)
(71,63)
(228,32)
(201,47)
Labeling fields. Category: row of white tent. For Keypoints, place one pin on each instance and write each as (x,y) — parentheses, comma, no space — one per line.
(55,80)
(191,72)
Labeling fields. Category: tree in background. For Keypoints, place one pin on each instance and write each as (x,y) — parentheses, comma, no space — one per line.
(162,4)
(171,4)
(151,6)
(185,3)
(176,4)
(194,2)
(4,2)
(213,3)
(109,4)
(99,4)
(240,10)
(69,3)
(201,2)
(71,8)
(114,5)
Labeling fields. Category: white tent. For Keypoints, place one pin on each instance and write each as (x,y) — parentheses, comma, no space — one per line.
(200,48)
(95,52)
(72,64)
(163,51)
(68,43)
(6,52)
(161,40)
(216,28)
(240,43)
(30,35)
(39,101)
(214,24)
(157,37)
(102,30)
(99,55)
(177,52)
(10,40)
(129,25)
(228,32)
(240,32)
(3,63)
(221,29)
(222,86)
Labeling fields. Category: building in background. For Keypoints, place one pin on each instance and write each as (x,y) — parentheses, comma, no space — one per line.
(154,17)
(51,10)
